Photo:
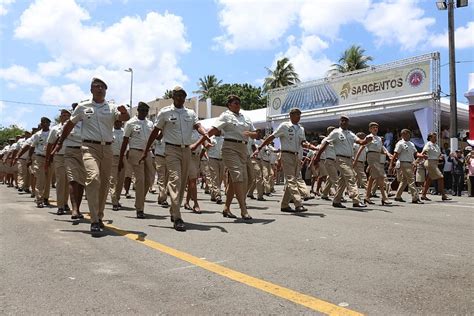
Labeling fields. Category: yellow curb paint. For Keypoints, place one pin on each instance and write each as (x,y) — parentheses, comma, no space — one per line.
(282,292)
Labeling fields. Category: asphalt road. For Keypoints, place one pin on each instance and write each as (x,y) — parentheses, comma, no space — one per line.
(400,260)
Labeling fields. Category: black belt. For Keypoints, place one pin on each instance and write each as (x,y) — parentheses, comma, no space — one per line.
(135,149)
(374,151)
(220,159)
(74,147)
(329,159)
(175,145)
(289,152)
(96,142)
(160,155)
(344,156)
(266,160)
(40,155)
(235,141)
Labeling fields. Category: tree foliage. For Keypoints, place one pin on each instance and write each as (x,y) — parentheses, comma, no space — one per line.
(168,94)
(283,75)
(9,132)
(206,84)
(251,97)
(352,59)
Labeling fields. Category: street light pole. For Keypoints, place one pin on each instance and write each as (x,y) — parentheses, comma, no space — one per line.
(130,70)
(453,118)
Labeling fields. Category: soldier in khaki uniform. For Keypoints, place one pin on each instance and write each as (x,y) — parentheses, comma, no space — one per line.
(257,170)
(43,179)
(98,117)
(432,150)
(343,141)
(406,153)
(359,163)
(117,176)
(137,130)
(216,167)
(177,123)
(23,173)
(293,139)
(62,187)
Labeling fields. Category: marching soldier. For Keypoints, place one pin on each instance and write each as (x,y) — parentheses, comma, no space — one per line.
(136,133)
(177,123)
(343,140)
(117,176)
(161,170)
(97,117)
(359,163)
(216,167)
(292,138)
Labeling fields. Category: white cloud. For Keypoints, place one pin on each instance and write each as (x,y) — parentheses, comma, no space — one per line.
(326,17)
(63,95)
(14,115)
(21,75)
(254,24)
(384,20)
(464,37)
(145,44)
(4,5)
(306,57)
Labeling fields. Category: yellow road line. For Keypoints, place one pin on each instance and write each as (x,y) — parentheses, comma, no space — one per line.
(285,293)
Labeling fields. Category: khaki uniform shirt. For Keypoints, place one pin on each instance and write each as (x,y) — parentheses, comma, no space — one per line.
(375,145)
(177,124)
(138,131)
(291,135)
(216,150)
(406,150)
(363,154)
(432,150)
(74,138)
(234,125)
(117,142)
(97,120)
(343,141)
(53,136)
(160,147)
(39,142)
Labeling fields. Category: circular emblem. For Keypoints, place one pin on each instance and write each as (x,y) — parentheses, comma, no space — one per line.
(416,77)
(276,104)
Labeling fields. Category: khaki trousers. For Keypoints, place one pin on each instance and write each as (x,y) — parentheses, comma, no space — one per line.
(162,171)
(216,176)
(23,174)
(97,162)
(360,174)
(62,185)
(116,180)
(250,175)
(407,178)
(332,176)
(144,176)
(291,169)
(267,176)
(258,178)
(347,180)
(43,179)
(177,161)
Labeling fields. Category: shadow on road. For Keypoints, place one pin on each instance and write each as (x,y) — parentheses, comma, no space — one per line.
(192,226)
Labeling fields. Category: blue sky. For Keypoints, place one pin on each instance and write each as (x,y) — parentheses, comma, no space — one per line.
(51,49)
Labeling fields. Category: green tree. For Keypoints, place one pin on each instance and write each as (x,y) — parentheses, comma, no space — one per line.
(251,97)
(206,84)
(168,94)
(9,132)
(283,75)
(352,59)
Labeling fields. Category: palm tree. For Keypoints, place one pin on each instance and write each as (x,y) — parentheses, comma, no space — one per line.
(352,59)
(207,83)
(168,94)
(283,75)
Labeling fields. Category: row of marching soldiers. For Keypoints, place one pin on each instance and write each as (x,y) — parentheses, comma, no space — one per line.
(90,152)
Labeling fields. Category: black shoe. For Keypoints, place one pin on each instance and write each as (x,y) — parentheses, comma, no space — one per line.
(261,199)
(219,201)
(39,205)
(325,198)
(360,204)
(310,197)
(338,205)
(20,189)
(128,196)
(27,191)
(60,211)
(119,205)
(343,200)
(368,201)
(46,202)
(207,192)
(446,198)
(66,208)
(101,224)
(95,228)
(287,209)
(179,225)
(269,194)
(251,197)
(140,214)
(115,207)
(300,209)
(228,214)
(246,217)
(399,200)
(424,198)
(375,196)
(417,202)
(213,199)
(32,195)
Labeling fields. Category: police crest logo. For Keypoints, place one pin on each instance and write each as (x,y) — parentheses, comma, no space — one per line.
(276,104)
(415,77)
(346,88)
